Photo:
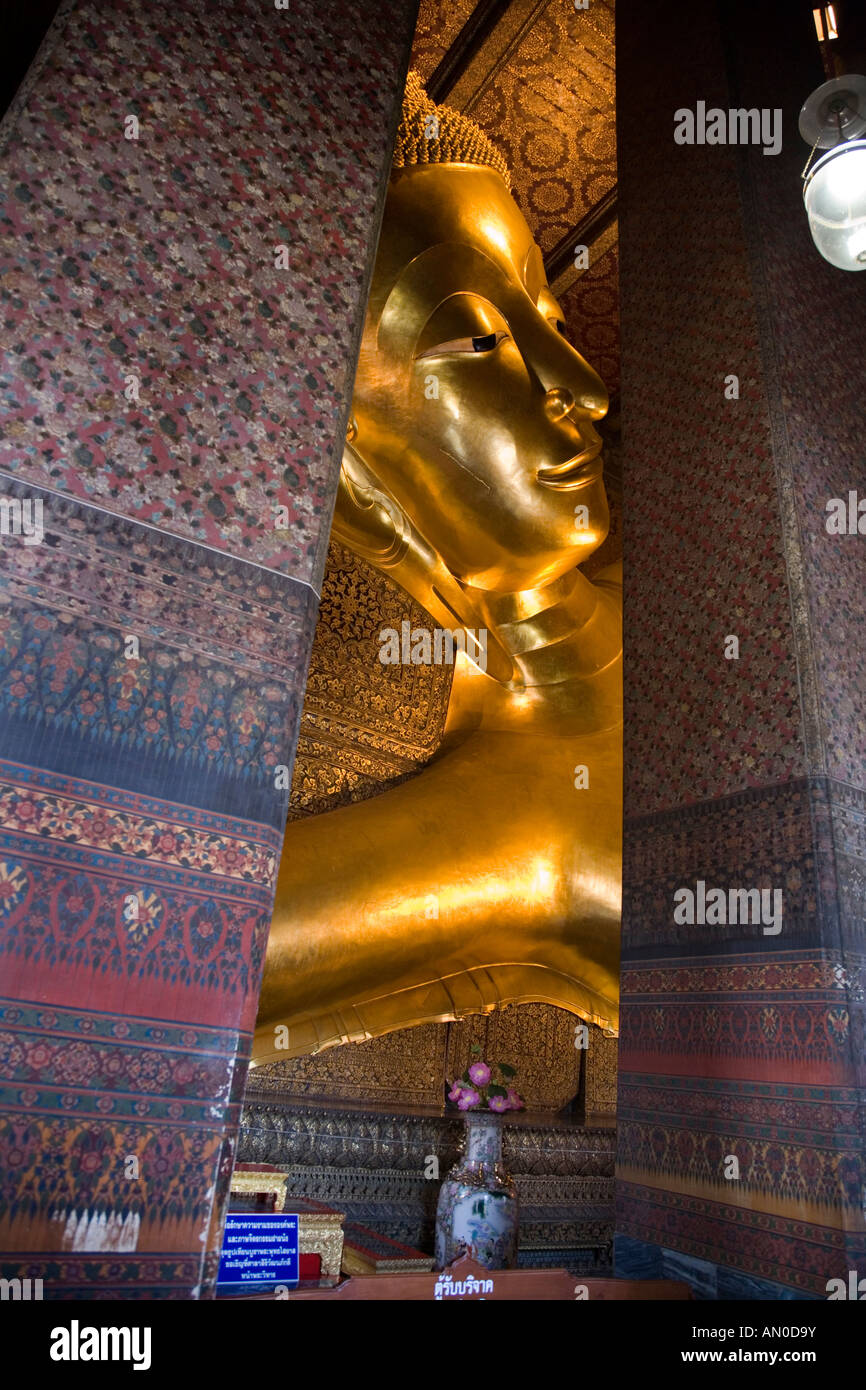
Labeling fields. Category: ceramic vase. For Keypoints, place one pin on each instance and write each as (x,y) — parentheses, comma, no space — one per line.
(477,1208)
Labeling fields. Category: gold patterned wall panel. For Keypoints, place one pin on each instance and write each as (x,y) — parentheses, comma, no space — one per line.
(403,1068)
(538,1039)
(413,1066)
(364,725)
(548,102)
(601,1063)
(439,23)
(591,307)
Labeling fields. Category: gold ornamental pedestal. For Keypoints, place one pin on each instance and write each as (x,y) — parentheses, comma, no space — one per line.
(320,1228)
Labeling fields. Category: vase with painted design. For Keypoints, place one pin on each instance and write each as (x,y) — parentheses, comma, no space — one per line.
(477,1209)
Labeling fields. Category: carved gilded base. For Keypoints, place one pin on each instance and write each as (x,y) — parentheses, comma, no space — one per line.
(317,1237)
(249,1183)
(320,1229)
(384,1169)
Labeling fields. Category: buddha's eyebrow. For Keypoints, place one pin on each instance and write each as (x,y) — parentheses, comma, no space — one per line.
(431,277)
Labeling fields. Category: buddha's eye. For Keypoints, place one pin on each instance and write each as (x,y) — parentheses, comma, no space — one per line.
(482,342)
(560,328)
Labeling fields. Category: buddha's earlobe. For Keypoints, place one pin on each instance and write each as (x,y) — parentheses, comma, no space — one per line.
(366,517)
(371,523)
(351,430)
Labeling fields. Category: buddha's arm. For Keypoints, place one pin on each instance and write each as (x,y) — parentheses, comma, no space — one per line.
(488,857)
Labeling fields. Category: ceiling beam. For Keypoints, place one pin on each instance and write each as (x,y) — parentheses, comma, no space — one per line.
(477,29)
(587,230)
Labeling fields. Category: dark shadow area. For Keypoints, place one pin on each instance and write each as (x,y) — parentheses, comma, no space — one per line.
(23,27)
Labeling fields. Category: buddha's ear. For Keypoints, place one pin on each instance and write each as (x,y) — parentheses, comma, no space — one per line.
(366,517)
(371,522)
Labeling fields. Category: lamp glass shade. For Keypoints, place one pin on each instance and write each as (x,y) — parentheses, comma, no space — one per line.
(835,198)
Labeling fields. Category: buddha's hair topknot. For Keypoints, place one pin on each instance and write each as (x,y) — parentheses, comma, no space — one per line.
(431,134)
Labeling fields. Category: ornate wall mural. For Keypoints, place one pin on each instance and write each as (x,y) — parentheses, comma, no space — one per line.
(141,820)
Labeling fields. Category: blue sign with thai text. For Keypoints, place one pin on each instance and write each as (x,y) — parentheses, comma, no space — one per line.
(259,1248)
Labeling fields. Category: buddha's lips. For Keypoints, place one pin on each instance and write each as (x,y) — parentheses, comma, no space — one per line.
(573,472)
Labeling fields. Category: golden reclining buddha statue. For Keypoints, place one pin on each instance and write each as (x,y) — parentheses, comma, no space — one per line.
(472,476)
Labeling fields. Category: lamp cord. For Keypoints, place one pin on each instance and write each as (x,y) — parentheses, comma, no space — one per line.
(811,155)
(846,106)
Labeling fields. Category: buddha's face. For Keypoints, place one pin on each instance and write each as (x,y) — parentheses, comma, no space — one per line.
(470,406)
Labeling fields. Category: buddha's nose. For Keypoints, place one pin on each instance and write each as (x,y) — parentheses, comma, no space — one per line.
(558,403)
(591,403)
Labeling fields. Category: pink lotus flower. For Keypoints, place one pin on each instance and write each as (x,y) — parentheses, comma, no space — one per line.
(513,1100)
(455,1092)
(469,1099)
(479,1072)
(498,1103)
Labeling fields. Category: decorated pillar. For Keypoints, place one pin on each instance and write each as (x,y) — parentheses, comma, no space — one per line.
(194,194)
(740,1161)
